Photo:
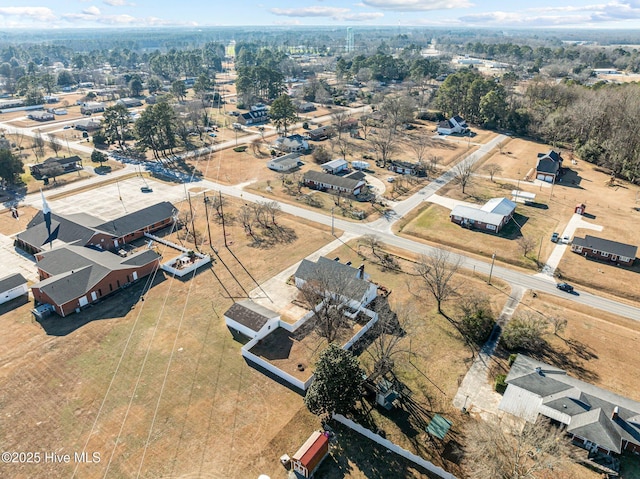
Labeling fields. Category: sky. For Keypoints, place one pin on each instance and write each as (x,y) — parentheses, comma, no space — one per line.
(48,14)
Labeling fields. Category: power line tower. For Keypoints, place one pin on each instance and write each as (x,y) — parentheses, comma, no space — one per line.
(349,47)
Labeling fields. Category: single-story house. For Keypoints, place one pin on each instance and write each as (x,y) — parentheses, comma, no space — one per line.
(129,102)
(250,319)
(356,175)
(71,277)
(324,181)
(492,216)
(455,124)
(88,125)
(407,168)
(595,418)
(335,166)
(605,250)
(321,133)
(348,124)
(12,286)
(284,163)
(60,165)
(92,107)
(291,143)
(548,166)
(85,230)
(350,283)
(41,115)
(307,459)
(305,107)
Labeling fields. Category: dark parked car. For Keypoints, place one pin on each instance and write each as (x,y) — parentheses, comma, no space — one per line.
(565,287)
(554,237)
(146,189)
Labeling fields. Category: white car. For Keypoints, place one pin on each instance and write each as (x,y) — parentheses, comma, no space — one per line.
(566,239)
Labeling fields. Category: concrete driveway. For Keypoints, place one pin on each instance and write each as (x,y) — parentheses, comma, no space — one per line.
(576,222)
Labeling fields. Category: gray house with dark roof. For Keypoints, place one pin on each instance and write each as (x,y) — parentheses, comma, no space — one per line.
(250,319)
(348,282)
(605,250)
(71,277)
(595,418)
(325,181)
(549,166)
(52,167)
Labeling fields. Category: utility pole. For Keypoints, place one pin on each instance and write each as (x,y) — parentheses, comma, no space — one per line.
(332,230)
(193,224)
(206,213)
(540,250)
(493,260)
(224,231)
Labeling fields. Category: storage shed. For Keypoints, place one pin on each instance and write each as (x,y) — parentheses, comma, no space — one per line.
(311,454)
(12,286)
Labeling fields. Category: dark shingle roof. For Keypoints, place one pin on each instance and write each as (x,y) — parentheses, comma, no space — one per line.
(70,231)
(339,181)
(76,269)
(138,219)
(606,246)
(335,276)
(589,407)
(11,281)
(549,162)
(250,314)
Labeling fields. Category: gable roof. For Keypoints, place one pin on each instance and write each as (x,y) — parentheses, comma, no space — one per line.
(70,232)
(335,276)
(590,408)
(549,162)
(75,270)
(339,181)
(289,160)
(11,281)
(492,212)
(333,164)
(606,246)
(311,452)
(250,314)
(138,220)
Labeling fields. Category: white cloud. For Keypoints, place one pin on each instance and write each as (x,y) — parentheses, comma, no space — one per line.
(42,14)
(310,11)
(417,5)
(92,10)
(116,3)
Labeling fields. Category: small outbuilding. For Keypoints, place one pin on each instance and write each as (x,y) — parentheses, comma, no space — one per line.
(284,163)
(335,166)
(311,454)
(12,286)
(250,319)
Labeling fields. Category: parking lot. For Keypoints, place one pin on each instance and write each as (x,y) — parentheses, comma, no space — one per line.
(117,199)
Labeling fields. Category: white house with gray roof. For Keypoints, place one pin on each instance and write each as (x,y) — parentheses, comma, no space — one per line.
(595,418)
(284,163)
(251,319)
(492,216)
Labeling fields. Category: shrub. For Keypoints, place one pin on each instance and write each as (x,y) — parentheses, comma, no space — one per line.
(240,148)
(500,385)
(512,358)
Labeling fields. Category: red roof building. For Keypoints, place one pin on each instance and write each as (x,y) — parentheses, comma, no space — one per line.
(311,454)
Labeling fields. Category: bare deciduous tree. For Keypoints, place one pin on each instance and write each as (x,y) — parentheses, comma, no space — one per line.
(558,324)
(437,275)
(419,144)
(526,244)
(246,218)
(463,173)
(491,452)
(340,119)
(343,145)
(493,169)
(373,242)
(38,145)
(389,333)
(53,143)
(384,144)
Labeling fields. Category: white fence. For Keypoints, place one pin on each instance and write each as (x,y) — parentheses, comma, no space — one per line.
(394,447)
(302,385)
(291,328)
(187,267)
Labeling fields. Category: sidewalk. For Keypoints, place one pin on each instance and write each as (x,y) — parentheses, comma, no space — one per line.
(476,393)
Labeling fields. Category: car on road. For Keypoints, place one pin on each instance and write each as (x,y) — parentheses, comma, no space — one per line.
(565,287)
(566,239)
(554,237)
(212,135)
(146,189)
(66,127)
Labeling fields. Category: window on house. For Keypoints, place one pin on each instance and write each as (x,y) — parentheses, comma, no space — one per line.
(605,255)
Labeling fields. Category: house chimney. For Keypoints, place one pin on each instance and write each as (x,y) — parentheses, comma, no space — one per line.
(614,415)
(360,274)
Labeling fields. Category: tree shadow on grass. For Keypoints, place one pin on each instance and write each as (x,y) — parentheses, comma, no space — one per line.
(572,361)
(372,459)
